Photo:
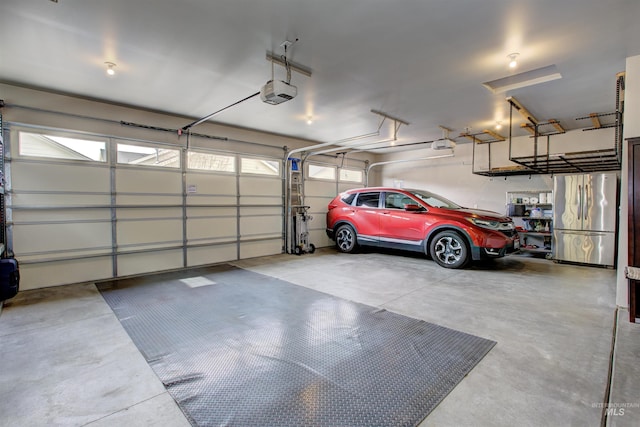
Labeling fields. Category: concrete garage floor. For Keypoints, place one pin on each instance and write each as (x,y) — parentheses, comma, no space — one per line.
(66,360)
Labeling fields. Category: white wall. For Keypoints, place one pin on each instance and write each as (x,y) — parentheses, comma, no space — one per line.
(631,129)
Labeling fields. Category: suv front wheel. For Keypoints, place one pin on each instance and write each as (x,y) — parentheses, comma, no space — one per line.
(449,249)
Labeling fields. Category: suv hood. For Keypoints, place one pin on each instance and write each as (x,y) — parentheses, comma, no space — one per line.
(479,213)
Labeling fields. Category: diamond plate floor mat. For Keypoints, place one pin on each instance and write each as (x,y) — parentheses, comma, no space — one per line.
(237,348)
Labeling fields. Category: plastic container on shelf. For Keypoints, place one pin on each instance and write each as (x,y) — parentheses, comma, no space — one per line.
(543,198)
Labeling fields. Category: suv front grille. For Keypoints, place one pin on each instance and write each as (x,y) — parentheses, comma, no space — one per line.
(507,228)
(509,233)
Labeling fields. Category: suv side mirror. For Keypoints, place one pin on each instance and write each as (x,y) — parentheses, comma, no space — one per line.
(412,208)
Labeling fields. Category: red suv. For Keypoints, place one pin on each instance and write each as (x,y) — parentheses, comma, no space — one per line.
(418,221)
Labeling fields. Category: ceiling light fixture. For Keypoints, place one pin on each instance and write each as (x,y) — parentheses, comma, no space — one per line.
(111,68)
(513,62)
(309,120)
(520,80)
(498,125)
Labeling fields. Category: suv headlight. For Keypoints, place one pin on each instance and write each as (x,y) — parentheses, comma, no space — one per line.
(492,225)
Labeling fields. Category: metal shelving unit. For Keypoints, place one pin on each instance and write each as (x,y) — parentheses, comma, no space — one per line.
(536,236)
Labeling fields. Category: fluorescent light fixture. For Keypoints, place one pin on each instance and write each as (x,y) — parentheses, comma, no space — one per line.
(528,78)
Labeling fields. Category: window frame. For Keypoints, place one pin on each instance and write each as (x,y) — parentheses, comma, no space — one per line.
(278,162)
(360,172)
(119,142)
(318,165)
(356,201)
(68,135)
(234,157)
(403,196)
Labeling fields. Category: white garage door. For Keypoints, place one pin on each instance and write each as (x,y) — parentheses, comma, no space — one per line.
(84,208)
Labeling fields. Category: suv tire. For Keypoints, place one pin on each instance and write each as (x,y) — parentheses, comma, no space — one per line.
(449,249)
(346,239)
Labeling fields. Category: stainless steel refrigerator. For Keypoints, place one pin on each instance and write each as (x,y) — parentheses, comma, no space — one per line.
(585,218)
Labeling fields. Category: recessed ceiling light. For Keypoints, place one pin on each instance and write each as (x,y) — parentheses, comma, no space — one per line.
(309,120)
(498,125)
(110,68)
(528,78)
(513,59)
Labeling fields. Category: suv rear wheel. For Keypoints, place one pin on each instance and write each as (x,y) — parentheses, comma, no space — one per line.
(449,250)
(346,239)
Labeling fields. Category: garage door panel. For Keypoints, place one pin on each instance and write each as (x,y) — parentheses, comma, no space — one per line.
(261,210)
(260,225)
(317,222)
(203,228)
(261,200)
(149,231)
(317,204)
(320,188)
(54,215)
(34,276)
(59,200)
(60,255)
(208,184)
(29,238)
(199,199)
(212,254)
(263,186)
(59,177)
(344,187)
(149,213)
(261,248)
(202,212)
(149,262)
(141,180)
(148,199)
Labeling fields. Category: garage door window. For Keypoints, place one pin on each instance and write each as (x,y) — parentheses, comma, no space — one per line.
(210,162)
(148,156)
(350,175)
(59,147)
(260,166)
(322,172)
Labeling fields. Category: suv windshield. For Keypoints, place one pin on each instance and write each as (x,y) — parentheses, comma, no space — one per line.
(434,200)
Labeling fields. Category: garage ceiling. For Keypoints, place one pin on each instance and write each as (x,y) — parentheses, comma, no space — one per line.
(421,61)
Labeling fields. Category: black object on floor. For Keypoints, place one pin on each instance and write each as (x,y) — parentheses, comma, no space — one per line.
(9,278)
(237,348)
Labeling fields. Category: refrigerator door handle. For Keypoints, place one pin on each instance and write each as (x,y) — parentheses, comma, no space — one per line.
(585,196)
(579,201)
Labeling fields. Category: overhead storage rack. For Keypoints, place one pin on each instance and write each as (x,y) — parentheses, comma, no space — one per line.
(608,159)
